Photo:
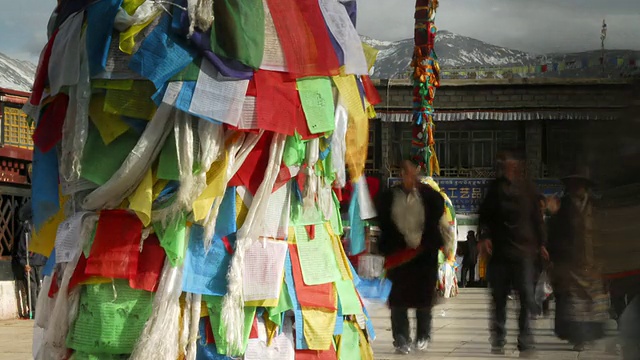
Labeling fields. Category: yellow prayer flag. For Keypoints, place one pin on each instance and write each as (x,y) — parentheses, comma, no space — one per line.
(95,280)
(135,103)
(366,352)
(215,187)
(357,138)
(371,54)
(341,256)
(140,201)
(241,211)
(262,303)
(158,187)
(318,327)
(127,38)
(125,84)
(43,241)
(620,61)
(272,328)
(110,126)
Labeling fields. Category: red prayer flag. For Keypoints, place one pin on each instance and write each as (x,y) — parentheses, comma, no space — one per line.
(251,173)
(317,355)
(79,273)
(42,74)
(304,36)
(254,329)
(53,289)
(49,130)
(370,91)
(150,263)
(116,247)
(312,296)
(278,105)
(283,178)
(208,331)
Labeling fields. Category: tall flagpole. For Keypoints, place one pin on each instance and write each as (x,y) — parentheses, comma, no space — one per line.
(426,78)
(603,36)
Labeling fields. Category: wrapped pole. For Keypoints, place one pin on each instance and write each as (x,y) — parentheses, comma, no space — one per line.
(426,78)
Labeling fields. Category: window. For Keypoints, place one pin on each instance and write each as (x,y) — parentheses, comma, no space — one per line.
(16,130)
(374,151)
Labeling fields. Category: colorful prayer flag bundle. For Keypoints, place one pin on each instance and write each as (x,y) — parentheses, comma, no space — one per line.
(186,166)
(426,78)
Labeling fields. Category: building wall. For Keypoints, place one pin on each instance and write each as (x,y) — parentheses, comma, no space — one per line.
(512,95)
(596,99)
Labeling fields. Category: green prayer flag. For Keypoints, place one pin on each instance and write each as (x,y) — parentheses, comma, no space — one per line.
(284,305)
(100,161)
(336,219)
(238,32)
(168,166)
(189,73)
(348,297)
(172,238)
(349,343)
(295,150)
(214,304)
(79,355)
(316,96)
(110,318)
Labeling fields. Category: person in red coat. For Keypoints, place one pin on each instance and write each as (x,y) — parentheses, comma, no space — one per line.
(408,217)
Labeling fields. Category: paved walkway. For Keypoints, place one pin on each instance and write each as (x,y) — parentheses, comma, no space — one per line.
(460,333)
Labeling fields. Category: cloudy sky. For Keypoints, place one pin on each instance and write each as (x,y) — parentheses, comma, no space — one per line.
(531,25)
(537,26)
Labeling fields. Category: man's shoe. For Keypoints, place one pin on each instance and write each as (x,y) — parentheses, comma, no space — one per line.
(497,350)
(422,344)
(578,347)
(403,350)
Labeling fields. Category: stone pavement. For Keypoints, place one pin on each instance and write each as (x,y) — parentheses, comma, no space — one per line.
(459,333)
(16,337)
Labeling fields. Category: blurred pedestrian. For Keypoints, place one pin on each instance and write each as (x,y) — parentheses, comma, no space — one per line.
(470,259)
(511,232)
(581,304)
(542,264)
(409,216)
(27,273)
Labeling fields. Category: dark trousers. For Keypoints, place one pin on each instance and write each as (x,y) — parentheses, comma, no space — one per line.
(401,329)
(22,284)
(469,269)
(504,276)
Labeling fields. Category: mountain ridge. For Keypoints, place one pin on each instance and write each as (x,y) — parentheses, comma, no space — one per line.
(16,74)
(456,51)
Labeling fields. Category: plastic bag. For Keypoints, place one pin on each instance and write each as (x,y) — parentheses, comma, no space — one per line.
(543,288)
(370,266)
(374,291)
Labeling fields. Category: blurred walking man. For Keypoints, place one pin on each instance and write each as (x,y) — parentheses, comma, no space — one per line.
(409,216)
(512,234)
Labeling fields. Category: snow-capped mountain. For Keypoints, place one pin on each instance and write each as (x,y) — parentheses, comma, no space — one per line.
(457,51)
(16,74)
(453,50)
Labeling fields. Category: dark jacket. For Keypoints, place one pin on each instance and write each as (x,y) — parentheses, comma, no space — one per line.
(20,251)
(414,282)
(567,236)
(471,251)
(510,217)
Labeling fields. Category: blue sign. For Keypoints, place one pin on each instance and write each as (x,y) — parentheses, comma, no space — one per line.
(467,194)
